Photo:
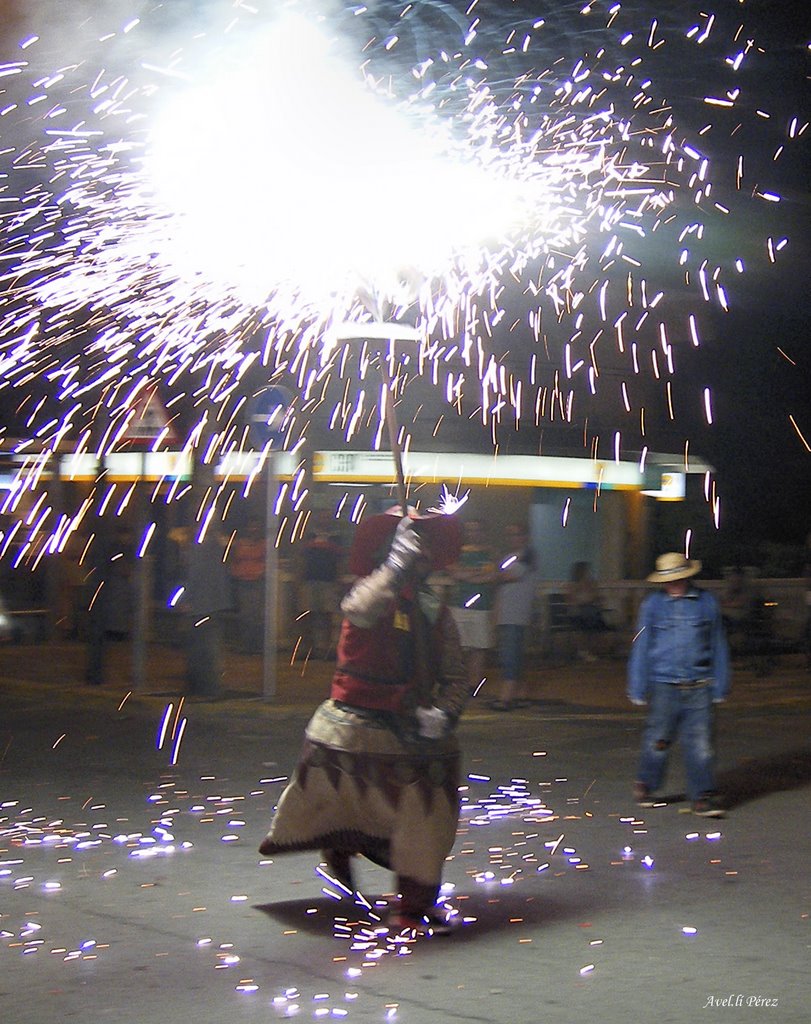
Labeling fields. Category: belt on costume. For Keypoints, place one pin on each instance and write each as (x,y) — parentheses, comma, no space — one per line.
(374,714)
(689,684)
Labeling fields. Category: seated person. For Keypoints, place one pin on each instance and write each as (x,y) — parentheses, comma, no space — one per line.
(584,609)
(748,627)
(737,599)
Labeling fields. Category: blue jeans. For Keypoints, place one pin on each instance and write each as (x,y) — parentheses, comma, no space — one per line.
(688,715)
(511,650)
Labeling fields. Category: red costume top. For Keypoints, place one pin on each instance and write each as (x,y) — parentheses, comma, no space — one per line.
(376,665)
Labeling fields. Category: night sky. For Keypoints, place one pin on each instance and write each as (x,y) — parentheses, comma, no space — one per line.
(757,357)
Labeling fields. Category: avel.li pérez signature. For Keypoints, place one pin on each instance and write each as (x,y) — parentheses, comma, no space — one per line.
(740,1000)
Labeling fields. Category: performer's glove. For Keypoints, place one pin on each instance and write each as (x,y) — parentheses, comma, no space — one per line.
(639,703)
(405,547)
(432,723)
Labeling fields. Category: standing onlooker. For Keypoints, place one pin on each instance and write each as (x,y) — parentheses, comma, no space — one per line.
(514,604)
(680,665)
(472,599)
(208,597)
(318,591)
(247,565)
(111,594)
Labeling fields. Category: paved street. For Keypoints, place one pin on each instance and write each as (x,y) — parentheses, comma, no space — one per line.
(131,888)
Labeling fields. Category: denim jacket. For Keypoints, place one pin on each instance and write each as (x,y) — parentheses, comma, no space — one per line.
(679,639)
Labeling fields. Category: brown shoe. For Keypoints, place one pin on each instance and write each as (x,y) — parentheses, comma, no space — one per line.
(708,807)
(642,795)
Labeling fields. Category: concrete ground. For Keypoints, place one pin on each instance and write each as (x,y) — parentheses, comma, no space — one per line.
(131,888)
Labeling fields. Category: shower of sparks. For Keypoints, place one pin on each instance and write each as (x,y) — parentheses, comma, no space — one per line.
(511,841)
(190,213)
(357,918)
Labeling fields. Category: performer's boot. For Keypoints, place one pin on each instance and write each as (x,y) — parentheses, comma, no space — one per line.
(338,868)
(416,909)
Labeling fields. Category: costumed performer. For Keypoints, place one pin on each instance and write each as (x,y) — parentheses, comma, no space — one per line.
(379,771)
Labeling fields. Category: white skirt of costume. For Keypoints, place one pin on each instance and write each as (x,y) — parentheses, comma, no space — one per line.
(358,788)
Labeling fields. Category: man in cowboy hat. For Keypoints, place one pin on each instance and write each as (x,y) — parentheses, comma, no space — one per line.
(379,771)
(679,666)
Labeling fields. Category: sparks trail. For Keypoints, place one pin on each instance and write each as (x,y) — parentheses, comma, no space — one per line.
(194,213)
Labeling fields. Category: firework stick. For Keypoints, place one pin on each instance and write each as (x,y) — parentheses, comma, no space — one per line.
(391,333)
(394,436)
(422,680)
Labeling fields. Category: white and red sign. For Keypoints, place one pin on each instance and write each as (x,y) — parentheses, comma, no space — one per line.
(149,421)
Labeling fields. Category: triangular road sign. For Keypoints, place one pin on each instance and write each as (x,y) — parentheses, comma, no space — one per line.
(149,419)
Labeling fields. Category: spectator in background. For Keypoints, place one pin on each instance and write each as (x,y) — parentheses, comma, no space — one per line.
(740,608)
(472,599)
(110,589)
(737,599)
(514,606)
(207,598)
(246,563)
(679,666)
(319,586)
(584,609)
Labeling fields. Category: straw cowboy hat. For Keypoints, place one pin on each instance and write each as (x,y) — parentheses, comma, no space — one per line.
(673,566)
(372,538)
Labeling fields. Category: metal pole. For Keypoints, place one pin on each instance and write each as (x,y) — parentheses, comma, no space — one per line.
(142,594)
(271,582)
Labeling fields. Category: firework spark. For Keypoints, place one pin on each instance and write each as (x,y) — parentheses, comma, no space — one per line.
(196,211)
